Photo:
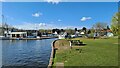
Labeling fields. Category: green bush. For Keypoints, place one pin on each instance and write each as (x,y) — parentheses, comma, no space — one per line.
(90,35)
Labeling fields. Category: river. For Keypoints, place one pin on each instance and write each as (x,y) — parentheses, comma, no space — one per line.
(26,53)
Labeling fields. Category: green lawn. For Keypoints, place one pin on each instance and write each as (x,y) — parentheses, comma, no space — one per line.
(99,52)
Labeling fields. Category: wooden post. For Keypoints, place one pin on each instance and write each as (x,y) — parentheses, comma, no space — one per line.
(70,44)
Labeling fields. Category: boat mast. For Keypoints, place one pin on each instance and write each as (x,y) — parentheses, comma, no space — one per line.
(2,25)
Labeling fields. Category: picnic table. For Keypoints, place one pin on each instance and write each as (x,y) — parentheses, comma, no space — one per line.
(76,42)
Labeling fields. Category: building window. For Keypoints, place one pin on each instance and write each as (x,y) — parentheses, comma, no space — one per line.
(13,35)
(18,35)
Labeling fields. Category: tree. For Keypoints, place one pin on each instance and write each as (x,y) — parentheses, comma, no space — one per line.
(99,27)
(84,29)
(114,25)
(42,30)
(108,28)
(62,30)
(75,29)
(70,31)
(55,30)
(89,31)
(92,30)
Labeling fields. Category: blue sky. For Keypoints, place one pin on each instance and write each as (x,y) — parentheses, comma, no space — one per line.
(59,0)
(32,15)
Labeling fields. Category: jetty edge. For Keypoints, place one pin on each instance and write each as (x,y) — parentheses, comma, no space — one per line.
(52,54)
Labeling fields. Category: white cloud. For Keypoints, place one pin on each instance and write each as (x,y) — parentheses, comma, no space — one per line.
(38,14)
(53,1)
(2,0)
(85,18)
(72,27)
(42,24)
(59,20)
(33,26)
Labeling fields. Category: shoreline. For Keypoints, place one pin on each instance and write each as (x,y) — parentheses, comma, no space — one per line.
(27,38)
(52,54)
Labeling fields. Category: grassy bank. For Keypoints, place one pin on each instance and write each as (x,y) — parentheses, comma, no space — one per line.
(99,52)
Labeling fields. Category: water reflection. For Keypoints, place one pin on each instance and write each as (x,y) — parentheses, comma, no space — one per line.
(33,53)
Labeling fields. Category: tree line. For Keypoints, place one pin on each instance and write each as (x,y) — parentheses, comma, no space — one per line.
(114,27)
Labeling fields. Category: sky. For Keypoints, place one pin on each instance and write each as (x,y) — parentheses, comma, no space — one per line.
(59,0)
(49,15)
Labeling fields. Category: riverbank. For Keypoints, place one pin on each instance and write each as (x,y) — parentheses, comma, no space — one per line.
(99,52)
(52,54)
(27,38)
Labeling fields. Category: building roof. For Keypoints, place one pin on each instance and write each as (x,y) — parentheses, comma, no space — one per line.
(18,33)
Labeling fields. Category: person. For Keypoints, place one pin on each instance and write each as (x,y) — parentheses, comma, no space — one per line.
(95,35)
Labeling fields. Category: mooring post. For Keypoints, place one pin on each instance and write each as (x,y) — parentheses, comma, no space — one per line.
(70,44)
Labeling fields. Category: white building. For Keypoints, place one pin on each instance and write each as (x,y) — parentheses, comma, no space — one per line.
(55,33)
(15,34)
(109,34)
(18,34)
(62,36)
(82,33)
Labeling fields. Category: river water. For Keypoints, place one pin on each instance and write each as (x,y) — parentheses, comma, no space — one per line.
(26,53)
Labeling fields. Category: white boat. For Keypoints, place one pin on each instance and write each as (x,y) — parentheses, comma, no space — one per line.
(4,38)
